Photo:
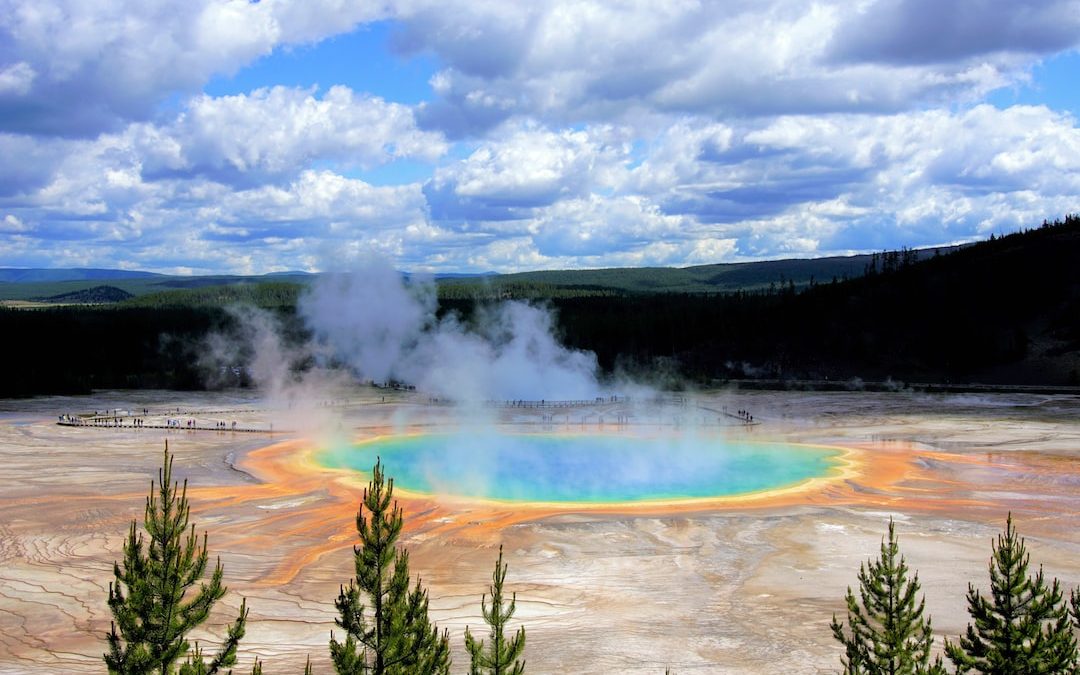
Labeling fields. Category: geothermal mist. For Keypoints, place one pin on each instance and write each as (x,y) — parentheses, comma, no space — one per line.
(371,325)
(384,330)
(276,366)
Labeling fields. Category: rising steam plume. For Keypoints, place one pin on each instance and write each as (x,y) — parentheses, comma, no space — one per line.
(384,329)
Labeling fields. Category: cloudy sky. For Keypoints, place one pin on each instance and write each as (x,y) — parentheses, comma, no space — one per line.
(473,135)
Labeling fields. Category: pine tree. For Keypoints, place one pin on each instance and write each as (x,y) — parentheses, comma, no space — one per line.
(888,633)
(501,656)
(1074,607)
(398,637)
(1023,629)
(151,615)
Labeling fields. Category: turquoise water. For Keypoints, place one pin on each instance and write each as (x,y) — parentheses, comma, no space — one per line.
(594,468)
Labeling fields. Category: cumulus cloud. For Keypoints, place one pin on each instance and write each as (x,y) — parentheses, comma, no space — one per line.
(322,202)
(599,226)
(558,134)
(927,31)
(16,79)
(98,195)
(698,192)
(927,177)
(13,225)
(594,60)
(27,164)
(523,168)
(273,132)
(76,68)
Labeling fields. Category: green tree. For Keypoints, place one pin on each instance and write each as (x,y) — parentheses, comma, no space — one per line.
(1023,628)
(398,637)
(887,632)
(502,655)
(1074,601)
(151,613)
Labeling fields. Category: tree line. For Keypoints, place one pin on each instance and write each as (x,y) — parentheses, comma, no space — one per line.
(1024,626)
(1003,311)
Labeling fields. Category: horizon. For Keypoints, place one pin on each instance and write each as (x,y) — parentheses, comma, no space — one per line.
(490,273)
(217,138)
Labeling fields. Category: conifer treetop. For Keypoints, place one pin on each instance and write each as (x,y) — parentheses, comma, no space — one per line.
(152,610)
(387,630)
(1023,627)
(503,656)
(887,632)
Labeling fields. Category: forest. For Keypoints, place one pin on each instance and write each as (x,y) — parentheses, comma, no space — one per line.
(1005,311)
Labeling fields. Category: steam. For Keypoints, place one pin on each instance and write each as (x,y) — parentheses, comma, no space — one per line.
(384,329)
(372,324)
(369,319)
(256,348)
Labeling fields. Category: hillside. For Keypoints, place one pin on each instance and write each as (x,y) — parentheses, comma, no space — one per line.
(717,278)
(1001,311)
(1004,311)
(136,284)
(91,296)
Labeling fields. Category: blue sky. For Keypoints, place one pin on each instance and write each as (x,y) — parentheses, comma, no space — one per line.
(227,136)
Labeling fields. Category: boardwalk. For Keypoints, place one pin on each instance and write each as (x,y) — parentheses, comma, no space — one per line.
(182,423)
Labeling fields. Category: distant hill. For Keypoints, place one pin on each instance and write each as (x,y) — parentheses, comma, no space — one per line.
(999,312)
(265,294)
(232,279)
(91,296)
(715,278)
(1003,311)
(27,284)
(41,274)
(146,284)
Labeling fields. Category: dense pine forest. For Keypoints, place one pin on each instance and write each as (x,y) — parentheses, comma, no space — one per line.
(1003,311)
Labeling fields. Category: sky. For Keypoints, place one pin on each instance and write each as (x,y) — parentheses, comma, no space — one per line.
(228,136)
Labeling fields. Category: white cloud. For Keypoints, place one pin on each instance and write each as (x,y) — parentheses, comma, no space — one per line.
(27,163)
(527,167)
(533,197)
(533,164)
(921,31)
(597,226)
(16,79)
(281,130)
(803,185)
(98,196)
(565,62)
(82,67)
(602,133)
(322,203)
(12,224)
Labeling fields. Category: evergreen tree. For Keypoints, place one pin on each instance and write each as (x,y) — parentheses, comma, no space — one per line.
(501,656)
(1023,629)
(887,631)
(397,637)
(1074,602)
(151,615)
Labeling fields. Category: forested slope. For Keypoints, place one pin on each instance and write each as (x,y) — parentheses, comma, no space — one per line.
(1005,311)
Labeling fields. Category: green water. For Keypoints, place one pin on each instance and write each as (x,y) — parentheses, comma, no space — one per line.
(597,468)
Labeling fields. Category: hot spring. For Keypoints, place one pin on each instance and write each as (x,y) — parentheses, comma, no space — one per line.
(585,468)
